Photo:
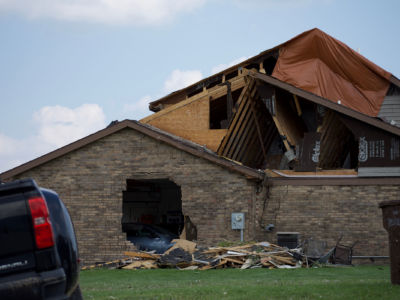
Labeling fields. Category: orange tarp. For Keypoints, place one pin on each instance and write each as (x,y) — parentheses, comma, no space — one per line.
(320,64)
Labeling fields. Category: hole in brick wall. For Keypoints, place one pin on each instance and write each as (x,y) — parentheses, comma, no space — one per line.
(152,213)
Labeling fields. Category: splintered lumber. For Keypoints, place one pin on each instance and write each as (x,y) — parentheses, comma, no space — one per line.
(247,264)
(296,102)
(184,255)
(141,264)
(249,245)
(217,266)
(142,255)
(190,268)
(214,250)
(286,260)
(186,245)
(234,260)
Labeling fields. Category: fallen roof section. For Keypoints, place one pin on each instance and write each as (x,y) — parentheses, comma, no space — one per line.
(148,130)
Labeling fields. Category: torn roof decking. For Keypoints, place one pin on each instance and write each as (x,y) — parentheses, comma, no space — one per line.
(325,102)
(193,118)
(214,92)
(252,129)
(250,136)
(250,132)
(324,49)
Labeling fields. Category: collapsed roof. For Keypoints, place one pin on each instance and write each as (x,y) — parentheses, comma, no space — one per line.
(292,107)
(316,62)
(310,104)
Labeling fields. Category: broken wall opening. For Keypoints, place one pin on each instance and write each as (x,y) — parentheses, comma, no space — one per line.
(156,202)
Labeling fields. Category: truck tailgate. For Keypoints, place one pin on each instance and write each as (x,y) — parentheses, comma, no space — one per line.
(17,245)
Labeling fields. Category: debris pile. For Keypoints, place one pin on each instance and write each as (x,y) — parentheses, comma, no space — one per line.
(186,256)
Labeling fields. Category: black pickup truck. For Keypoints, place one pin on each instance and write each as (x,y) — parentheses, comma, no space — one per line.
(38,250)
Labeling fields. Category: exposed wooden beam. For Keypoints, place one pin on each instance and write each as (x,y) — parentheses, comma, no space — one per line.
(279,127)
(214,92)
(327,103)
(237,119)
(257,126)
(262,70)
(245,116)
(296,102)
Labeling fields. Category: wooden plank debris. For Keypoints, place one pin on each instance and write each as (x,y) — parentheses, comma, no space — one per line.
(141,254)
(188,246)
(185,255)
(141,264)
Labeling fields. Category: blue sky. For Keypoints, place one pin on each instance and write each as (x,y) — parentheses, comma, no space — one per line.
(70,67)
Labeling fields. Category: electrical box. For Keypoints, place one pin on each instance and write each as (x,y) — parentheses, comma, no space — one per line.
(237,220)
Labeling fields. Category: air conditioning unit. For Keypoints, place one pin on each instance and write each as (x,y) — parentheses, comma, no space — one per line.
(288,239)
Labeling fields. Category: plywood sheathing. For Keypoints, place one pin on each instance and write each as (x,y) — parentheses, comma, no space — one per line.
(190,119)
(193,115)
(287,120)
(214,92)
(208,138)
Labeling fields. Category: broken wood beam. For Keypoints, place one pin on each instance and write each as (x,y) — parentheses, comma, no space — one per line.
(261,69)
(296,102)
(141,255)
(258,127)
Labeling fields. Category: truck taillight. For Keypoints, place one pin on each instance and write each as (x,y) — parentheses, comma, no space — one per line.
(41,223)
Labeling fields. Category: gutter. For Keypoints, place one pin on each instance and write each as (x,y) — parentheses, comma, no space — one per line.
(313,176)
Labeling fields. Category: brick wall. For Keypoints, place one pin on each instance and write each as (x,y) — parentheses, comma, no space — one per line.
(90,181)
(326,212)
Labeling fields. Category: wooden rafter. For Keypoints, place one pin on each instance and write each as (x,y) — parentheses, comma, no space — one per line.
(258,127)
(237,119)
(239,134)
(214,92)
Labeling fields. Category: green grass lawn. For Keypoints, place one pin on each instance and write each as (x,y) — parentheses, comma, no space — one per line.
(363,282)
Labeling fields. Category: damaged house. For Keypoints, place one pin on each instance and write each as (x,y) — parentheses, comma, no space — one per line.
(303,139)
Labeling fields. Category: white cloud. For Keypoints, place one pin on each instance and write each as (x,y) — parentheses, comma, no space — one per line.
(221,67)
(140,12)
(138,109)
(14,152)
(177,80)
(57,126)
(276,3)
(180,79)
(7,145)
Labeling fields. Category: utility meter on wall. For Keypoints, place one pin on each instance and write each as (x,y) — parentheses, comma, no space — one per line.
(237,220)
